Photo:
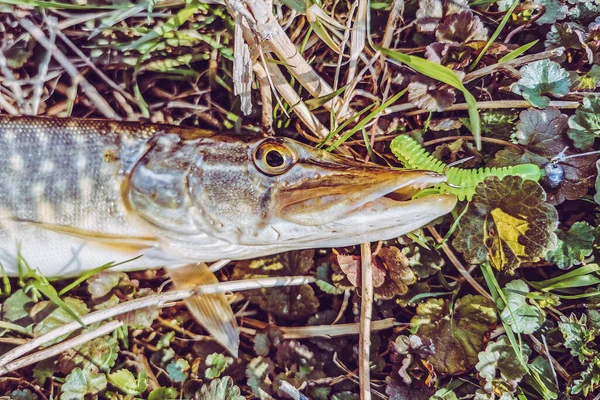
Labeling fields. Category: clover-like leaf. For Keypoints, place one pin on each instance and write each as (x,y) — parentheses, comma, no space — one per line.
(289,302)
(573,245)
(425,93)
(216,363)
(589,81)
(508,222)
(543,135)
(499,361)
(16,305)
(98,354)
(177,370)
(164,393)
(58,317)
(424,262)
(430,12)
(543,77)
(100,284)
(554,10)
(584,11)
(126,382)
(80,383)
(589,380)
(461,28)
(566,34)
(23,394)
(220,388)
(584,126)
(578,337)
(257,372)
(518,313)
(458,337)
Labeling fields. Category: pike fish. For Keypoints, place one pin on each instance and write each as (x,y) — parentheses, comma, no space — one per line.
(79,193)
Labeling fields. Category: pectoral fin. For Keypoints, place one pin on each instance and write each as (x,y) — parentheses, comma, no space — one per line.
(116,242)
(212,311)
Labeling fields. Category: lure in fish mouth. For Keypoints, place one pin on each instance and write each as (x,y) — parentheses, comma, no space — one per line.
(225,198)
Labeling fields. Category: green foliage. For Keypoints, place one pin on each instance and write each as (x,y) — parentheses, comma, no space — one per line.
(98,354)
(177,370)
(573,245)
(164,393)
(216,363)
(81,383)
(290,302)
(518,313)
(508,222)
(459,336)
(220,388)
(578,337)
(126,382)
(589,380)
(543,77)
(58,316)
(542,136)
(15,306)
(584,126)
(500,366)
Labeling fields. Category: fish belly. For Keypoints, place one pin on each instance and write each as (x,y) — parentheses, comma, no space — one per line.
(67,173)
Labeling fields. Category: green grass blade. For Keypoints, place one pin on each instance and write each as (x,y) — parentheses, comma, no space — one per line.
(366,120)
(445,75)
(345,124)
(172,23)
(548,284)
(495,34)
(518,51)
(50,292)
(91,273)
(6,287)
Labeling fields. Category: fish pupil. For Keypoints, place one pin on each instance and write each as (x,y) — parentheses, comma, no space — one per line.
(274,159)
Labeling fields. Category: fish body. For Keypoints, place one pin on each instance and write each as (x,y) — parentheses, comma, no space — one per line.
(76,194)
(79,194)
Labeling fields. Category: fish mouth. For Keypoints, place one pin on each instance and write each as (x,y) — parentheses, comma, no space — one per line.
(341,192)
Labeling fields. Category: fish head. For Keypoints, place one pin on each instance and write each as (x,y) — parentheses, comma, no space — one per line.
(226,197)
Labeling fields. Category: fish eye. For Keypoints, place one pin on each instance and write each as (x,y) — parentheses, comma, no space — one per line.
(274,157)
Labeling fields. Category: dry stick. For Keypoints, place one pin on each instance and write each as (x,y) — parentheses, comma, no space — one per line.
(93,66)
(61,347)
(326,331)
(480,73)
(89,90)
(495,104)
(158,300)
(366,314)
(271,35)
(457,264)
(40,79)
(291,97)
(390,28)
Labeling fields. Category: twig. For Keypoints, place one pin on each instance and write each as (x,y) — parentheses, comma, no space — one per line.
(495,104)
(159,301)
(366,314)
(325,331)
(89,90)
(457,264)
(488,140)
(512,63)
(61,347)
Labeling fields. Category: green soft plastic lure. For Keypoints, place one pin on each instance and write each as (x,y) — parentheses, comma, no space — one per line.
(461,181)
